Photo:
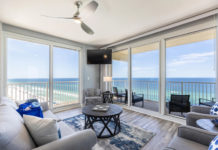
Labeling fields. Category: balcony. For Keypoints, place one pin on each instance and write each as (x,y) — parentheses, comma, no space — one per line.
(196,90)
(64,92)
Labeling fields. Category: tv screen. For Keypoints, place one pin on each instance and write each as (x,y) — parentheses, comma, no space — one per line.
(99,56)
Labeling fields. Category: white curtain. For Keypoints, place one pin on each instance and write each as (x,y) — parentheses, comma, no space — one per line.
(106,70)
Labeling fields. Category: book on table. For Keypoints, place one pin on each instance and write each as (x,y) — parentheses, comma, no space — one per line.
(103,108)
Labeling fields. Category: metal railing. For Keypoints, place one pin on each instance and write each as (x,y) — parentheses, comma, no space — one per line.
(196,90)
(64,92)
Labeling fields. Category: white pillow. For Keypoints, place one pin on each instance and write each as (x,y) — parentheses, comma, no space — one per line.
(42,130)
(9,102)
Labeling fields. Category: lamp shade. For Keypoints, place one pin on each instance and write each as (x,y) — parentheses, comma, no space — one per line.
(107,79)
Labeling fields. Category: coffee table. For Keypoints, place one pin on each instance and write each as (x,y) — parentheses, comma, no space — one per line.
(109,119)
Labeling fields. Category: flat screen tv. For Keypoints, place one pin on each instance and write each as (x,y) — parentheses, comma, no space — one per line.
(99,56)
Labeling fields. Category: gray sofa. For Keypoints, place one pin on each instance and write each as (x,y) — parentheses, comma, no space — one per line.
(15,136)
(198,112)
(92,96)
(191,138)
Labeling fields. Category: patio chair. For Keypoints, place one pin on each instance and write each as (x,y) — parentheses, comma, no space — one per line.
(179,103)
(118,94)
(135,98)
(206,102)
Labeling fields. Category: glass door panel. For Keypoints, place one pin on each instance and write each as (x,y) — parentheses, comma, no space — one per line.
(145,76)
(190,70)
(65,76)
(120,75)
(27,70)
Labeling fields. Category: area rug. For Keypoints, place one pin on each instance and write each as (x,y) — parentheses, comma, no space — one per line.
(130,137)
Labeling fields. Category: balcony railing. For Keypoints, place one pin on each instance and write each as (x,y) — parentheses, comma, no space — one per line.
(64,92)
(196,90)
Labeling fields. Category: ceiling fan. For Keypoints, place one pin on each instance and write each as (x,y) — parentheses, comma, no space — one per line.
(90,8)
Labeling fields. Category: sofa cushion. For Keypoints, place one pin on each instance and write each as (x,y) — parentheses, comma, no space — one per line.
(97,92)
(49,114)
(65,129)
(90,92)
(93,97)
(43,130)
(9,102)
(13,133)
(179,143)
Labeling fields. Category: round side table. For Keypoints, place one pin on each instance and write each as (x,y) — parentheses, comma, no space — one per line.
(207,124)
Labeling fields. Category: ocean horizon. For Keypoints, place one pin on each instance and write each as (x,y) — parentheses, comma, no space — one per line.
(69,87)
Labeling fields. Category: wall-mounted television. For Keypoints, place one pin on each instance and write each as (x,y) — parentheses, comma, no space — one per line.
(99,56)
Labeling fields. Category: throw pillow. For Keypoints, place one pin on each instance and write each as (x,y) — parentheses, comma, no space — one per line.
(214,111)
(90,92)
(43,131)
(98,92)
(214,144)
(9,102)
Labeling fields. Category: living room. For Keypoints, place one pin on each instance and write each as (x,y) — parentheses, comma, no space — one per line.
(91,74)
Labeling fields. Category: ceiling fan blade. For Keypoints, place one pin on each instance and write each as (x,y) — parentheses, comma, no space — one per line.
(57,17)
(89,9)
(86,28)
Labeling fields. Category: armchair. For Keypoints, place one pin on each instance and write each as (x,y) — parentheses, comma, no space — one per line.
(207,102)
(118,94)
(135,98)
(92,96)
(191,138)
(199,112)
(179,103)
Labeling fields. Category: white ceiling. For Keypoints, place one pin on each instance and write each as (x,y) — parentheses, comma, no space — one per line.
(113,21)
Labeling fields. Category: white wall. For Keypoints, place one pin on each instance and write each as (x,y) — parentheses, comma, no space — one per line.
(90,72)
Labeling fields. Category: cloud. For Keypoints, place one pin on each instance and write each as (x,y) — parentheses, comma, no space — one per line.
(191,58)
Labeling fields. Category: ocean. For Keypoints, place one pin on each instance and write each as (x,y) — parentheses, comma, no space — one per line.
(66,90)
(195,87)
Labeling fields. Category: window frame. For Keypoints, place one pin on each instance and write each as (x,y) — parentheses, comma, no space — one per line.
(51,44)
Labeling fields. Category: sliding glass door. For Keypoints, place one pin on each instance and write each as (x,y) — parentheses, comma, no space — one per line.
(120,76)
(190,71)
(145,76)
(29,73)
(65,76)
(27,70)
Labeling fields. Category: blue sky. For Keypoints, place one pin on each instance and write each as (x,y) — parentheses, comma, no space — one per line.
(196,60)
(31,60)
